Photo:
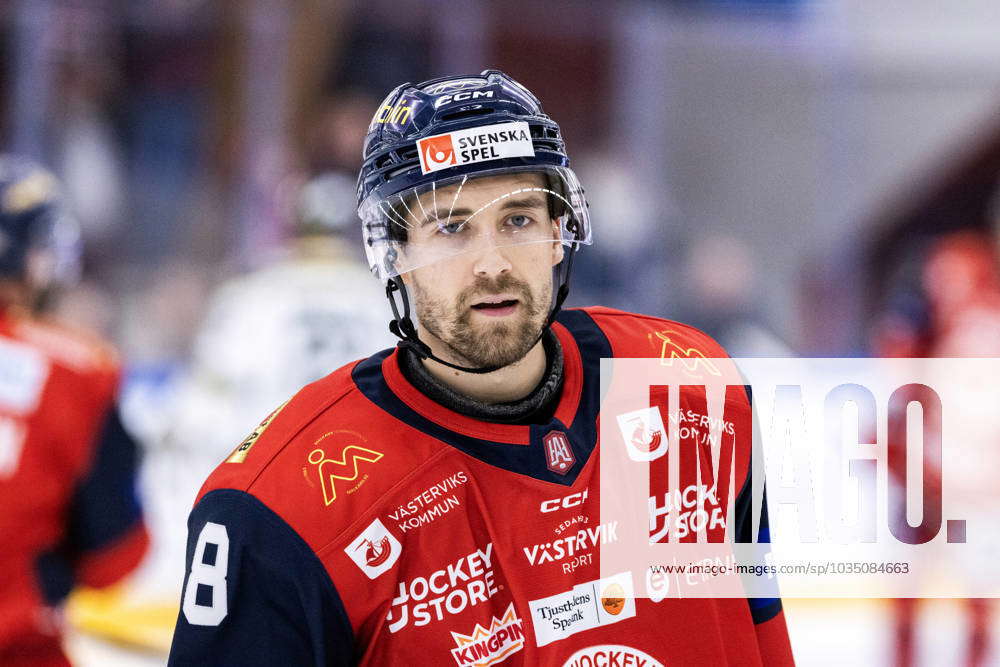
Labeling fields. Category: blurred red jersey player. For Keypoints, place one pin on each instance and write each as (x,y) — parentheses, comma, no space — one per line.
(959,316)
(67,467)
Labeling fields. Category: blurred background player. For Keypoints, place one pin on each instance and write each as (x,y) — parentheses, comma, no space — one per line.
(950,308)
(67,467)
(269,332)
(266,334)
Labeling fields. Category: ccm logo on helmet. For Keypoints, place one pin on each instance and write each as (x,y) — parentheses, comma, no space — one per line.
(462,97)
(476,144)
(572,500)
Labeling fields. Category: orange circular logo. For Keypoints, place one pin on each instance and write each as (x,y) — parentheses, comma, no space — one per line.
(613,599)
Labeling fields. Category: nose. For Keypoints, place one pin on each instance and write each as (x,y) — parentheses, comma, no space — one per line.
(491,262)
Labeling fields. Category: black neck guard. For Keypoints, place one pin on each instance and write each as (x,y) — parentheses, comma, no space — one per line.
(537,407)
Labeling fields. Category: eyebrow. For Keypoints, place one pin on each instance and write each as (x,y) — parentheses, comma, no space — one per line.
(442,214)
(508,204)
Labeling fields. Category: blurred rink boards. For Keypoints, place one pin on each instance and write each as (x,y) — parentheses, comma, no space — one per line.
(860,632)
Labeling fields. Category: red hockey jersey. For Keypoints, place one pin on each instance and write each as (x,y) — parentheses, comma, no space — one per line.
(67,474)
(363,523)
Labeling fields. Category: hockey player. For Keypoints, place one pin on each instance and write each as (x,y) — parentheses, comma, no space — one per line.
(439,503)
(961,285)
(267,333)
(272,330)
(67,467)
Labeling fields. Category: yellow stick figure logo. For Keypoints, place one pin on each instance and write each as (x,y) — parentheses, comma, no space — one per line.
(344,468)
(690,358)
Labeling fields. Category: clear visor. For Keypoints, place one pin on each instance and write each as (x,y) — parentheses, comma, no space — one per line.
(457,219)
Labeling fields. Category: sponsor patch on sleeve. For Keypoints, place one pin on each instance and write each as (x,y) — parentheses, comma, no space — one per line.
(239,454)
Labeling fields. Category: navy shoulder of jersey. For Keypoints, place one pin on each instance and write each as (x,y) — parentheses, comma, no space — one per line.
(255,593)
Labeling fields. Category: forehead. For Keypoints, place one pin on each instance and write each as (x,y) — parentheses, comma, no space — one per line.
(479,191)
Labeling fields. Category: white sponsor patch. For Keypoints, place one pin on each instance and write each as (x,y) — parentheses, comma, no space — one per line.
(466,582)
(23,372)
(644,435)
(585,606)
(375,550)
(611,655)
(476,144)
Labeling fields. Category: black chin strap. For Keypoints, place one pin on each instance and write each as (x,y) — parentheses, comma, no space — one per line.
(402,326)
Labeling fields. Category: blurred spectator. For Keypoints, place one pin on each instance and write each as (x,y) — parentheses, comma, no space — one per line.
(337,128)
(388,42)
(67,466)
(86,150)
(902,328)
(627,267)
(962,283)
(720,277)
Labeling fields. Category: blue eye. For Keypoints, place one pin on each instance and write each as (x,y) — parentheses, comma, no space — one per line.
(519,221)
(451,228)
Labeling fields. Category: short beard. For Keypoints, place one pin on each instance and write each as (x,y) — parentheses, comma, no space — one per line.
(491,345)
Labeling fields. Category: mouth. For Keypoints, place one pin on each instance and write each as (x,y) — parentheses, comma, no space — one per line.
(497,306)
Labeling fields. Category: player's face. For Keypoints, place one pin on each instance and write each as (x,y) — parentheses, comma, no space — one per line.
(487,302)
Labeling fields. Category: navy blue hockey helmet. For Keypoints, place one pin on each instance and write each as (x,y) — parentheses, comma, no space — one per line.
(443,132)
(33,220)
(426,143)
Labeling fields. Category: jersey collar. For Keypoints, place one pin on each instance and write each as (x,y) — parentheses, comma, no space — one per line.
(514,434)
(507,446)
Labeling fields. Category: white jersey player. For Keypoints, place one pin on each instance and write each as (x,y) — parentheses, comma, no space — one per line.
(271,331)
(266,334)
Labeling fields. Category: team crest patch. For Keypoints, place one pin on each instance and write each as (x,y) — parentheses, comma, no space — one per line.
(239,454)
(559,456)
